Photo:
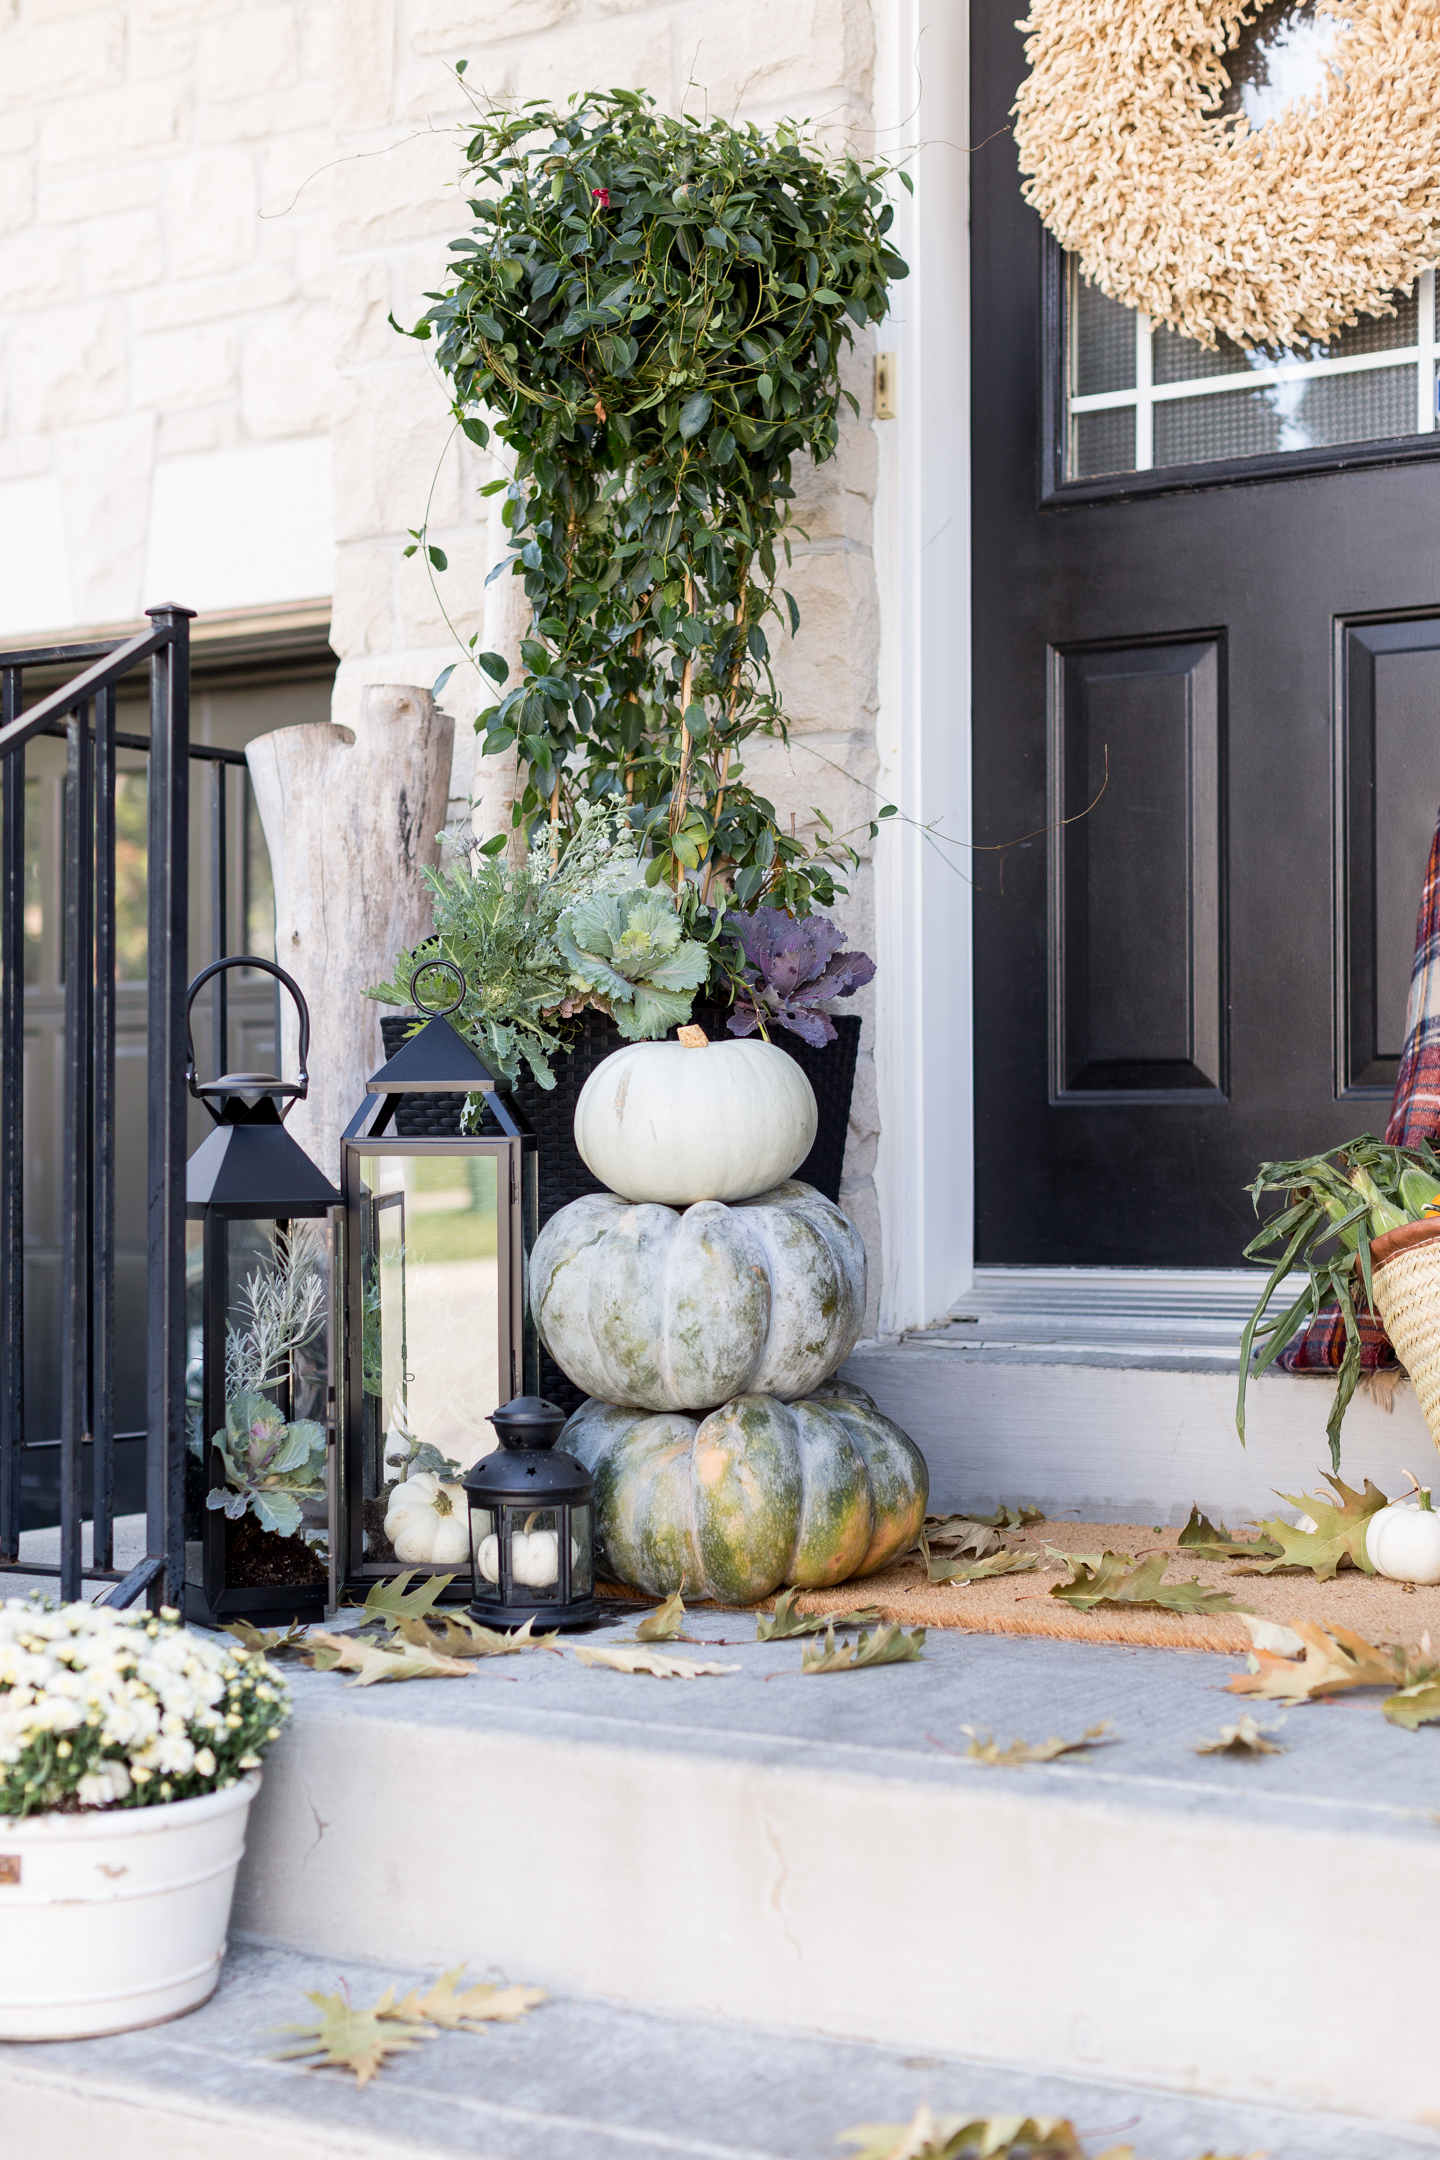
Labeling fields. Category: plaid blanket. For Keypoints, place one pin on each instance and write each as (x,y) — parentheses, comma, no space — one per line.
(1414,1116)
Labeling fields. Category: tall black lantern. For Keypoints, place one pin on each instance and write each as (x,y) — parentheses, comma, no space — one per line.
(438,1233)
(258,1524)
(532,1525)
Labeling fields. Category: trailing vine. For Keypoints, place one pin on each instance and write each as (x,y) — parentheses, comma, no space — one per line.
(651,314)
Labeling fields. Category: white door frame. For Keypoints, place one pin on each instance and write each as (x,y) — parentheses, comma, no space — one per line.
(923,1037)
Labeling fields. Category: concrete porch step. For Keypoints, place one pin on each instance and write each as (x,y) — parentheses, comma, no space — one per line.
(816,1855)
(578,2080)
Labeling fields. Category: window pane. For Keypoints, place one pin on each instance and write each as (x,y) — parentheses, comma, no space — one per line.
(1231,423)
(1102,442)
(1353,408)
(1104,342)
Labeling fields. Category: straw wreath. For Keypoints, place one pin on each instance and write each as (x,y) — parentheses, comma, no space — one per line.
(1273,236)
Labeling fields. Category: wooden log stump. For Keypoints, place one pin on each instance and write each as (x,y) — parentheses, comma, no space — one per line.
(351,816)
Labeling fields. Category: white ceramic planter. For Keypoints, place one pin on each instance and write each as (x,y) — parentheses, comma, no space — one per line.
(117,1917)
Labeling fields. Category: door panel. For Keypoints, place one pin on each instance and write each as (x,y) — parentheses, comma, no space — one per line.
(1390,688)
(1162,985)
(1136,942)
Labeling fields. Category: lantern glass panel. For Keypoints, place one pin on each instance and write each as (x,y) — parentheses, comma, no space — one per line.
(484,1544)
(534,1541)
(582,1572)
(257,1374)
(433,1302)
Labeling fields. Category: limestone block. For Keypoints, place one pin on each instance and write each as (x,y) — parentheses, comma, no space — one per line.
(68,365)
(69,199)
(287,377)
(318,42)
(104,473)
(296,184)
(405,194)
(17,192)
(37,266)
(18,130)
(264,114)
(350,817)
(827,672)
(816,771)
(359,315)
(164,14)
(182,434)
(633,55)
(860,1202)
(57,60)
(253,49)
(364,77)
(185,367)
(738,51)
(24,457)
(445,26)
(391,429)
(264,286)
(122,253)
(835,501)
(158,49)
(363,604)
(210,214)
(109,125)
(431,612)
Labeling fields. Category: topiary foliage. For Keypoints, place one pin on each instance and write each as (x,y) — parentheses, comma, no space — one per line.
(652,312)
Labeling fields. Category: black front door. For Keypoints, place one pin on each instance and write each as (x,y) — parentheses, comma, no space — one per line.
(1207,739)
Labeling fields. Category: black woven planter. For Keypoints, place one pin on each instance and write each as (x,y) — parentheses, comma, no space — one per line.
(551,1113)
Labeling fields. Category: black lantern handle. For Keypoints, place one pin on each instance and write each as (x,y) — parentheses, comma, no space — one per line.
(298,1089)
(430,967)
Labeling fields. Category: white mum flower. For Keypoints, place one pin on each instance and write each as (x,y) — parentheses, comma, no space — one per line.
(102,1786)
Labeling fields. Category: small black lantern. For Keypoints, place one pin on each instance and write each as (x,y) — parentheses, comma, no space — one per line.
(257,1513)
(532,1525)
(438,1232)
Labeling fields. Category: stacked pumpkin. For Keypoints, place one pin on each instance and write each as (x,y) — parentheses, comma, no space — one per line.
(704,1302)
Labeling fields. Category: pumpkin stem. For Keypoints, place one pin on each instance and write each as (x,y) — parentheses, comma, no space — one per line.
(694,1038)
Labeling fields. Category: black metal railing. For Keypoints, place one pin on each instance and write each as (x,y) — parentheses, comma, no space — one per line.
(82,711)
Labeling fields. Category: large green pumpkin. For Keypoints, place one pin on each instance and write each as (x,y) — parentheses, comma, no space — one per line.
(757,1494)
(661,1308)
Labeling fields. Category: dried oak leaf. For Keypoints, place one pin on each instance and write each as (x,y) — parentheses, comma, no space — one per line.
(344,2038)
(961,1533)
(457,2009)
(620,1658)
(1414,1706)
(1006,1562)
(1244,1737)
(1335,1659)
(268,1642)
(985,1748)
(1207,1541)
(928,2136)
(785,1622)
(372,1662)
(665,1623)
(1337,1539)
(395,1600)
(452,1635)
(1116,1579)
(889,1645)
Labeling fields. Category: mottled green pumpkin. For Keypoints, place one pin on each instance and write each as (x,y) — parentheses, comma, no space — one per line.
(663,1308)
(758,1493)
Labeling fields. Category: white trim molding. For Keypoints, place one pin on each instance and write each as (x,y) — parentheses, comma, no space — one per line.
(923,1041)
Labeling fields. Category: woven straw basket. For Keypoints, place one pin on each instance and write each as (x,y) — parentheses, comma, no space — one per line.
(1406,1265)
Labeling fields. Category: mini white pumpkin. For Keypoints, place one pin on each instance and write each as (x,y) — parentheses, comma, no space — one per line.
(428,1521)
(658,1309)
(534,1558)
(676,1122)
(1403,1540)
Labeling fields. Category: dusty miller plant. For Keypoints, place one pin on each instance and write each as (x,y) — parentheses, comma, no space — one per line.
(652,312)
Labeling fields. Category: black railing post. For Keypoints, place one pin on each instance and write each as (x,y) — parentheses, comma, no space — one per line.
(219,918)
(169,876)
(102,1410)
(12,1121)
(77,1242)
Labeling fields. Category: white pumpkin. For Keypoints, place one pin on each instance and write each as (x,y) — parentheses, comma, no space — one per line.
(1403,1541)
(534,1558)
(676,1122)
(658,1309)
(428,1521)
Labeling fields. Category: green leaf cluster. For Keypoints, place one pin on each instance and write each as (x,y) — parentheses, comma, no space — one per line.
(1332,1206)
(539,940)
(270,1463)
(650,313)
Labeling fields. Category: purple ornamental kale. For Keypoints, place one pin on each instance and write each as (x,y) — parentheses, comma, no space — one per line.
(791,967)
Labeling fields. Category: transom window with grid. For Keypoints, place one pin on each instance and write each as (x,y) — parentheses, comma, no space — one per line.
(1139,398)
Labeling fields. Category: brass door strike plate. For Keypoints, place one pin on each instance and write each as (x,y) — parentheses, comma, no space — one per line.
(885,386)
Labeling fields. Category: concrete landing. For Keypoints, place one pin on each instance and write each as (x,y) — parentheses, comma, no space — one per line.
(816,1855)
(578,2080)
